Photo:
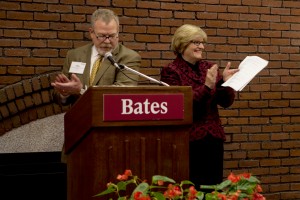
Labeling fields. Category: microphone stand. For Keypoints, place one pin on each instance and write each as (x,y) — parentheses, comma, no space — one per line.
(122,67)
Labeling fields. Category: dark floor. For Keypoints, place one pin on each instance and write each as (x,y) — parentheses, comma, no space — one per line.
(32,176)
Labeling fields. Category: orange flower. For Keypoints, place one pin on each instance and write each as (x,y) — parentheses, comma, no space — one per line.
(173,191)
(120,177)
(222,196)
(140,196)
(160,182)
(258,188)
(124,176)
(192,193)
(137,194)
(257,196)
(246,175)
(108,184)
(237,187)
(128,172)
(233,178)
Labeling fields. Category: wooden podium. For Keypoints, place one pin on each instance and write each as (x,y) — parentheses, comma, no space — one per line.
(150,137)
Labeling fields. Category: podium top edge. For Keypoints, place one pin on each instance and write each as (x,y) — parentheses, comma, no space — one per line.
(140,87)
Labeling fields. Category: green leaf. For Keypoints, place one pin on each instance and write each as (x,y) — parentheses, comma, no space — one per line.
(157,178)
(245,185)
(200,195)
(107,191)
(253,179)
(210,196)
(223,185)
(243,196)
(156,187)
(158,195)
(122,185)
(217,187)
(143,188)
(208,187)
(186,190)
(186,182)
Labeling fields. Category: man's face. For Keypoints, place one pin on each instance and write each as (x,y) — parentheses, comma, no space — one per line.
(104,36)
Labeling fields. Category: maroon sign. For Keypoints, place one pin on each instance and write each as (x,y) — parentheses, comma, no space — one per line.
(132,107)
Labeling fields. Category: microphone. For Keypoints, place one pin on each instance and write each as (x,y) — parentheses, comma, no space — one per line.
(108,56)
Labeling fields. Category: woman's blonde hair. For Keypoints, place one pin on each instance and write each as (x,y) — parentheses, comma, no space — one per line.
(184,35)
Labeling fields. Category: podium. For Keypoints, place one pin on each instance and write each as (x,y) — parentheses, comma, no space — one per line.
(141,128)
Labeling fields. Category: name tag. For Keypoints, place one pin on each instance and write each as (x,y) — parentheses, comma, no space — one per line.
(77,67)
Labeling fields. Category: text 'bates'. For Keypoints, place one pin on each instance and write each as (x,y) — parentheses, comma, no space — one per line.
(131,107)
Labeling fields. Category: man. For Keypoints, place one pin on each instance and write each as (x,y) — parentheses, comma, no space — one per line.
(85,66)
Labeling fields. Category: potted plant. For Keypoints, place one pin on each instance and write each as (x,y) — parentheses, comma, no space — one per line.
(236,187)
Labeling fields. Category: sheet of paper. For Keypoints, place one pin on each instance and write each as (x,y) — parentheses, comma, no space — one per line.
(249,68)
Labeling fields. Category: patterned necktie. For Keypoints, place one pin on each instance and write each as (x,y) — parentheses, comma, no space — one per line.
(95,69)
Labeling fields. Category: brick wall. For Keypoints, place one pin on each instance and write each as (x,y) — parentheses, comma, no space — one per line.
(263,125)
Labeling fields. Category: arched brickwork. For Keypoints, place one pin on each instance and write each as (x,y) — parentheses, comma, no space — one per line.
(26,101)
(31,99)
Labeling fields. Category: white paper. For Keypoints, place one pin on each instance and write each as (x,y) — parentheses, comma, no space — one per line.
(249,68)
(77,67)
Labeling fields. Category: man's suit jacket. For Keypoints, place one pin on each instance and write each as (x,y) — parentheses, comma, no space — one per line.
(107,73)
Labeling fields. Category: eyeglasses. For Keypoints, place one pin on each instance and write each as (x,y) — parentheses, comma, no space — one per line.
(104,37)
(197,43)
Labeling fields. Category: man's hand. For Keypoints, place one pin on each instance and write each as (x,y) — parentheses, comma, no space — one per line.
(67,86)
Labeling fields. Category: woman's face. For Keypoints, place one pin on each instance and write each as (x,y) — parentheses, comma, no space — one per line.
(105,36)
(194,50)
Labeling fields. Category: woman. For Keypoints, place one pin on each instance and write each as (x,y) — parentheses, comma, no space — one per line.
(206,133)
